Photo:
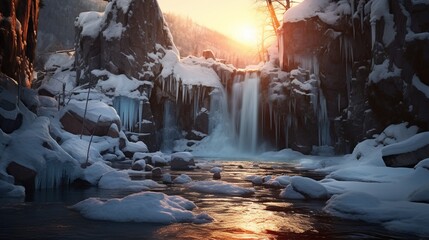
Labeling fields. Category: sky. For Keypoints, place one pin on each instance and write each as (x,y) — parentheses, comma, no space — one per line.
(235,18)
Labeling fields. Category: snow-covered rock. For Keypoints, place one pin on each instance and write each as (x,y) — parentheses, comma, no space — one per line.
(121,180)
(306,187)
(182,179)
(139,165)
(93,173)
(142,207)
(182,161)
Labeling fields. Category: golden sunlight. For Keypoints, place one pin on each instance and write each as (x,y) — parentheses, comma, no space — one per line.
(247,34)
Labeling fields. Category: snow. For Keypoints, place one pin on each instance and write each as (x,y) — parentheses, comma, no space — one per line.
(290,193)
(120,85)
(94,109)
(124,5)
(182,179)
(90,22)
(216,170)
(142,207)
(185,156)
(306,9)
(380,9)
(400,216)
(114,30)
(411,144)
(420,86)
(93,173)
(420,195)
(8,190)
(382,71)
(308,187)
(121,180)
(219,187)
(78,149)
(136,147)
(141,162)
(33,147)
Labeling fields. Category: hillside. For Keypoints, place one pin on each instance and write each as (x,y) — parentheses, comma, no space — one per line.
(192,38)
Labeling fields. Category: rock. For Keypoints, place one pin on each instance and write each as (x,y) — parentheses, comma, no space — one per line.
(23,176)
(216,170)
(149,168)
(208,54)
(195,135)
(202,123)
(216,176)
(407,159)
(142,31)
(72,123)
(156,172)
(166,178)
(139,165)
(182,161)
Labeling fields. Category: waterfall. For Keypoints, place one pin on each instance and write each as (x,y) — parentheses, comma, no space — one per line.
(248,131)
(170,131)
(233,126)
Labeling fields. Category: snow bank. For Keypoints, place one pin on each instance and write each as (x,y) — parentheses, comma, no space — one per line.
(411,144)
(219,187)
(33,147)
(382,71)
(142,207)
(400,216)
(8,190)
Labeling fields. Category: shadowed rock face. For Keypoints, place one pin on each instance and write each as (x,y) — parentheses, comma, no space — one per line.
(125,41)
(368,75)
(18,27)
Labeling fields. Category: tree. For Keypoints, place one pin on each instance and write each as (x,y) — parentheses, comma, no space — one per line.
(18,28)
(272,11)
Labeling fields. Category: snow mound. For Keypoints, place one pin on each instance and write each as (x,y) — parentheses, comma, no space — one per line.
(411,144)
(306,187)
(182,179)
(93,173)
(78,149)
(219,187)
(185,156)
(142,207)
(279,181)
(216,170)
(420,195)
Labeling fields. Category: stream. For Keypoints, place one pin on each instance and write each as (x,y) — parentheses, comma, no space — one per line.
(259,216)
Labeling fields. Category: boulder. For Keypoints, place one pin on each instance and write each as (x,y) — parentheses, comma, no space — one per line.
(156,172)
(182,161)
(124,41)
(407,159)
(23,176)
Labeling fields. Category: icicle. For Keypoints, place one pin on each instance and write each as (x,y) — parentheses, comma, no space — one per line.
(140,113)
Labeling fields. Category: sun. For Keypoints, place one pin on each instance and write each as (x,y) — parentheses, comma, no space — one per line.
(247,34)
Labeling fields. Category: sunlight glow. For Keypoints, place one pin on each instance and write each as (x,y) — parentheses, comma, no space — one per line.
(247,34)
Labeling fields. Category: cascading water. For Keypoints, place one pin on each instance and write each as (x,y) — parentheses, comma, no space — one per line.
(234,133)
(248,131)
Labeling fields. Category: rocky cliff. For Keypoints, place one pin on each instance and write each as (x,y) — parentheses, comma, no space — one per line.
(368,58)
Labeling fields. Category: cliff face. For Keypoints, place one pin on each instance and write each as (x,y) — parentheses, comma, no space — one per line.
(18,28)
(369,57)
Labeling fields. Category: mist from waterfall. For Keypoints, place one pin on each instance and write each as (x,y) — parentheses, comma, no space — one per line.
(233,127)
